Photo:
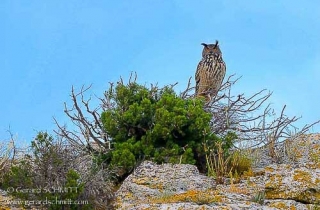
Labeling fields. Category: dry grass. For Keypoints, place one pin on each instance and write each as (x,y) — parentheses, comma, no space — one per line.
(6,156)
(221,165)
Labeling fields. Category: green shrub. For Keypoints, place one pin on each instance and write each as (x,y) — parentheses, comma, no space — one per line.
(46,175)
(71,191)
(154,124)
(19,177)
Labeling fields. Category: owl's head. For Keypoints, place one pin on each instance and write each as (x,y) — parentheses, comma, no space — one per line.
(211,49)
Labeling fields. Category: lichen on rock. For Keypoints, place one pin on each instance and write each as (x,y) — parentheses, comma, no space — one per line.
(292,185)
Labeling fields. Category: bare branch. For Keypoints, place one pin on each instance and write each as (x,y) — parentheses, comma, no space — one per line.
(241,114)
(89,133)
(185,94)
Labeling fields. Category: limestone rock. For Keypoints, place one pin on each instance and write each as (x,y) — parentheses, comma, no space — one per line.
(299,178)
(303,151)
(300,184)
(289,204)
(152,183)
(180,186)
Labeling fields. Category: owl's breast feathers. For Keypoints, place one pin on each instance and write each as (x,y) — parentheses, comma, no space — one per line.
(209,75)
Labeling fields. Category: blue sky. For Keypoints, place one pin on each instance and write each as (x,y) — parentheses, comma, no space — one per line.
(48,46)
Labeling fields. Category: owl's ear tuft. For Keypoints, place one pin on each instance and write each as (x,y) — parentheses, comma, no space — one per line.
(217,42)
(204,44)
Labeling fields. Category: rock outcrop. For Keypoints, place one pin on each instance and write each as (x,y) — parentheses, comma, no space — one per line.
(299,178)
(152,183)
(180,186)
(300,184)
(293,185)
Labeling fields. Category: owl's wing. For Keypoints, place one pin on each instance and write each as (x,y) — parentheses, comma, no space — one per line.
(197,76)
(223,70)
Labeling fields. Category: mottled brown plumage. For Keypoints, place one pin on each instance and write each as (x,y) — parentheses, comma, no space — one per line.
(210,71)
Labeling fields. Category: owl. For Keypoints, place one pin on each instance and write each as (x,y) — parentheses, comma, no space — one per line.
(210,72)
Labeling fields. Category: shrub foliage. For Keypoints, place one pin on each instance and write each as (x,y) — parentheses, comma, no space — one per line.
(154,124)
(46,174)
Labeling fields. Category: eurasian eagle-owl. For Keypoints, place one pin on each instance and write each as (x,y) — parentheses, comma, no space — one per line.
(210,71)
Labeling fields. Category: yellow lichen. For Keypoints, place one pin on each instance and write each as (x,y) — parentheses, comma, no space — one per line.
(152,208)
(141,181)
(274,181)
(129,195)
(292,207)
(157,186)
(279,205)
(196,196)
(269,169)
(275,194)
(302,176)
(314,154)
(237,189)
(248,173)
